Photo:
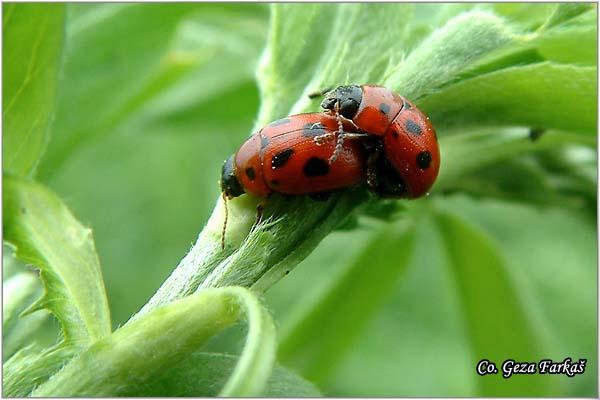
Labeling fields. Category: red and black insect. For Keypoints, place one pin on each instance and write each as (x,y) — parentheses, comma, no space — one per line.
(409,140)
(283,157)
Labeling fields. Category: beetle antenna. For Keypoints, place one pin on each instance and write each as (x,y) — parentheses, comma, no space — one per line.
(319,93)
(340,139)
(224,221)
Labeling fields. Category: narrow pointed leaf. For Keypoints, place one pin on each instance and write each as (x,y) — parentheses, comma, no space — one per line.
(48,236)
(346,305)
(495,314)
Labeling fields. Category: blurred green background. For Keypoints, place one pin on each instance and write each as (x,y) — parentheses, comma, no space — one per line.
(153,98)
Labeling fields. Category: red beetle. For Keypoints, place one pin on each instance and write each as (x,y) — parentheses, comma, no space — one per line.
(283,157)
(409,140)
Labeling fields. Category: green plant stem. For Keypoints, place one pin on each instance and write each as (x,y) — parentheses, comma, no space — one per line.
(205,254)
(144,347)
(272,246)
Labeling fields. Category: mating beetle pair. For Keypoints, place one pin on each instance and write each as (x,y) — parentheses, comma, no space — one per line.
(367,134)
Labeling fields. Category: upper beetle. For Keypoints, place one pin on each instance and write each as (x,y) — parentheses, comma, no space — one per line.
(409,140)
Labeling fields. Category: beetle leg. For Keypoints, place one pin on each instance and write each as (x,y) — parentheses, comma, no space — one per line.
(356,136)
(322,139)
(349,121)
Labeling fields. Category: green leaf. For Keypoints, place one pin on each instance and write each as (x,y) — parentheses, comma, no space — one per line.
(449,51)
(158,341)
(565,43)
(33,42)
(346,304)
(47,235)
(570,45)
(550,253)
(204,374)
(496,316)
(421,328)
(529,15)
(550,95)
(567,11)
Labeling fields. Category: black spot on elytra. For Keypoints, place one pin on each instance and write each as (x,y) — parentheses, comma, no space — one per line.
(281,121)
(395,134)
(274,182)
(384,108)
(413,128)
(424,159)
(316,166)
(250,173)
(281,158)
